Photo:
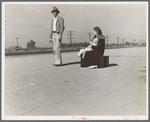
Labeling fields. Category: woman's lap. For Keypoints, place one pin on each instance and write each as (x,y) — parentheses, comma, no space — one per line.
(90,58)
(86,61)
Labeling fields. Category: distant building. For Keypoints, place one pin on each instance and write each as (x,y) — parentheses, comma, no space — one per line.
(13,48)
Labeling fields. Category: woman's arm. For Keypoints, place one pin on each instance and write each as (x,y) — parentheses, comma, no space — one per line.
(100,45)
(92,43)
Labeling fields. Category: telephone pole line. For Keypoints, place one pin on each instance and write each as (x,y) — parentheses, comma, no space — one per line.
(89,36)
(107,40)
(134,41)
(17,41)
(117,41)
(123,41)
(70,36)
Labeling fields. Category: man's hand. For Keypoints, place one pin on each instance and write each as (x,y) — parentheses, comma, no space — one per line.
(50,40)
(60,38)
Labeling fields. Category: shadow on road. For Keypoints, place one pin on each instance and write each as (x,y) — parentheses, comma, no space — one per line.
(78,62)
(110,65)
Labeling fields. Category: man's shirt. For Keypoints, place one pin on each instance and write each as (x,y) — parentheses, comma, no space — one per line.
(54,23)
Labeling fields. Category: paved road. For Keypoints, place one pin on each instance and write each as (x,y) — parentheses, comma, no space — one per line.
(34,87)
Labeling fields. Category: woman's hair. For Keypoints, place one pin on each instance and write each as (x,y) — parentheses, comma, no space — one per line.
(98,30)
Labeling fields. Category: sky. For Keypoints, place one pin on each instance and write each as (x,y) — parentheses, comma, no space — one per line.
(32,21)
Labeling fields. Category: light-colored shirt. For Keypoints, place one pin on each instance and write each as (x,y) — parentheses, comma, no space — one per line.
(54,23)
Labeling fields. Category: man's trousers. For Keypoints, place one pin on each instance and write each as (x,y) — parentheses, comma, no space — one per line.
(56,48)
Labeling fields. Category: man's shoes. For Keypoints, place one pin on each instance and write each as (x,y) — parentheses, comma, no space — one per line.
(57,65)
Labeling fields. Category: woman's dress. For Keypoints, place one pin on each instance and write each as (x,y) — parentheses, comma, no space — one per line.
(93,57)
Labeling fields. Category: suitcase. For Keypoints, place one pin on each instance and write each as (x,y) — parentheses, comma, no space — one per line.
(103,62)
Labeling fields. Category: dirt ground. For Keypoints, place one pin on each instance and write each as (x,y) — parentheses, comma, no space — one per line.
(33,86)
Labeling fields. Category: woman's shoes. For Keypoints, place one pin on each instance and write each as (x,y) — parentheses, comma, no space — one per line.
(92,67)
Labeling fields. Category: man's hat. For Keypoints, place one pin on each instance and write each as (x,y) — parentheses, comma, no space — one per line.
(55,9)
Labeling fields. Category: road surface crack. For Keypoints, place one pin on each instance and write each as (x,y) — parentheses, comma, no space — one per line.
(30,110)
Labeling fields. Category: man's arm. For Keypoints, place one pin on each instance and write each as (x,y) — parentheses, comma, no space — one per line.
(62,26)
(51,29)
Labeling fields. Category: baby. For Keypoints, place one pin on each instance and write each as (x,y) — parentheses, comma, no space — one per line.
(89,48)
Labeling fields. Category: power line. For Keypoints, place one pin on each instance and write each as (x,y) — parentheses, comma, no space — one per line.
(70,36)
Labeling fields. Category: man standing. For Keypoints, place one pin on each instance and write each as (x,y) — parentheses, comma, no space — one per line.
(56,31)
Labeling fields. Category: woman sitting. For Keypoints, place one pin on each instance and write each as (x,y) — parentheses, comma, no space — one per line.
(90,58)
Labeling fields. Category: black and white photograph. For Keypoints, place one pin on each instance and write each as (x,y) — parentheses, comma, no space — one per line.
(74,61)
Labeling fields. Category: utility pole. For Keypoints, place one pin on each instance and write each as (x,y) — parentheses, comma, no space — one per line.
(117,41)
(70,36)
(134,41)
(89,36)
(107,40)
(17,41)
(123,41)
